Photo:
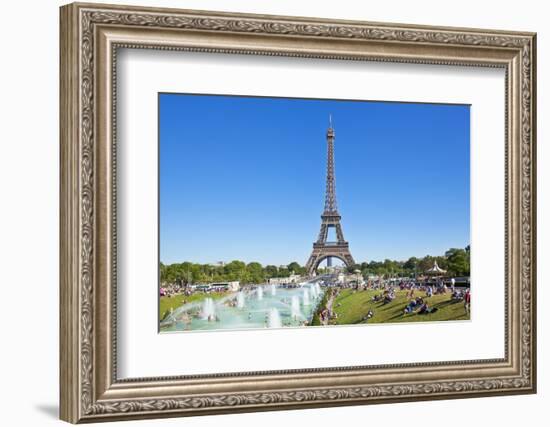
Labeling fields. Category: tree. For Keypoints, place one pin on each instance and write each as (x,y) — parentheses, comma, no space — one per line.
(284,272)
(295,267)
(271,271)
(426,263)
(235,270)
(353,267)
(458,262)
(411,263)
(255,272)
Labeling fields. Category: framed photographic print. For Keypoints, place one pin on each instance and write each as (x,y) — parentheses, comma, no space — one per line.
(250,174)
(265,212)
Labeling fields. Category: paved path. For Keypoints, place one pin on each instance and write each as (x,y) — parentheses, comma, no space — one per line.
(329,307)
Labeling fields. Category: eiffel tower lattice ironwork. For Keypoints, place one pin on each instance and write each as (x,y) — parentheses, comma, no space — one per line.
(323,249)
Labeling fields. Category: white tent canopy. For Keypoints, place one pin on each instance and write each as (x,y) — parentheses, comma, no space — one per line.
(436,269)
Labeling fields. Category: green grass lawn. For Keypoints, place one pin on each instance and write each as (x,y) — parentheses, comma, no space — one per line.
(166,303)
(351,306)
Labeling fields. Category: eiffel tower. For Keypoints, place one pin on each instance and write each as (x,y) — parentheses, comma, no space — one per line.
(322,249)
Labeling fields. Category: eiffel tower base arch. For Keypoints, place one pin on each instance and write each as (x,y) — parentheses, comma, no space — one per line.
(322,252)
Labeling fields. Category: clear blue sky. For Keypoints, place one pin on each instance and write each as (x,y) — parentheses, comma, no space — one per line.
(244,177)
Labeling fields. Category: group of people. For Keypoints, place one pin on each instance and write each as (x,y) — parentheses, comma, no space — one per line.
(170,290)
(325,315)
(385,297)
(419,306)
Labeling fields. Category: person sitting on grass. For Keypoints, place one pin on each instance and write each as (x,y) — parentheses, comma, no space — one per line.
(377,298)
(410,307)
(368,316)
(457,295)
(390,296)
(426,309)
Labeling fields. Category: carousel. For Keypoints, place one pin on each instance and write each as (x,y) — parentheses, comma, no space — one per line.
(436,270)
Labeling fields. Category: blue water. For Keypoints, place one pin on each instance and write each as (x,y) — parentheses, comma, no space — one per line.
(261,309)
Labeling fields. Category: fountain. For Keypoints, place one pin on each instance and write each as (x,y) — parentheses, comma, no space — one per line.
(273,290)
(313,291)
(240,300)
(295,307)
(274,319)
(244,309)
(208,309)
(306,296)
(318,288)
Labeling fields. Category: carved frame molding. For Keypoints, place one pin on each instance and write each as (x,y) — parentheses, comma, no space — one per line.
(90,37)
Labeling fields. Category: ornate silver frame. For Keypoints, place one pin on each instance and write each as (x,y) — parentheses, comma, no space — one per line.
(90,36)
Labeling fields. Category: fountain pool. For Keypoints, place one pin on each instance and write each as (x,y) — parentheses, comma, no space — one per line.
(279,307)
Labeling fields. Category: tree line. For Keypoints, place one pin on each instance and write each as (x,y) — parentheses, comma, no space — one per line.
(456,261)
(253,272)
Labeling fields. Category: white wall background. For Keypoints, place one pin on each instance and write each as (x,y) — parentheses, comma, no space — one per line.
(29,171)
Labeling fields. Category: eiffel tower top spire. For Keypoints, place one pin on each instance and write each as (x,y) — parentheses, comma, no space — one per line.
(330,195)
